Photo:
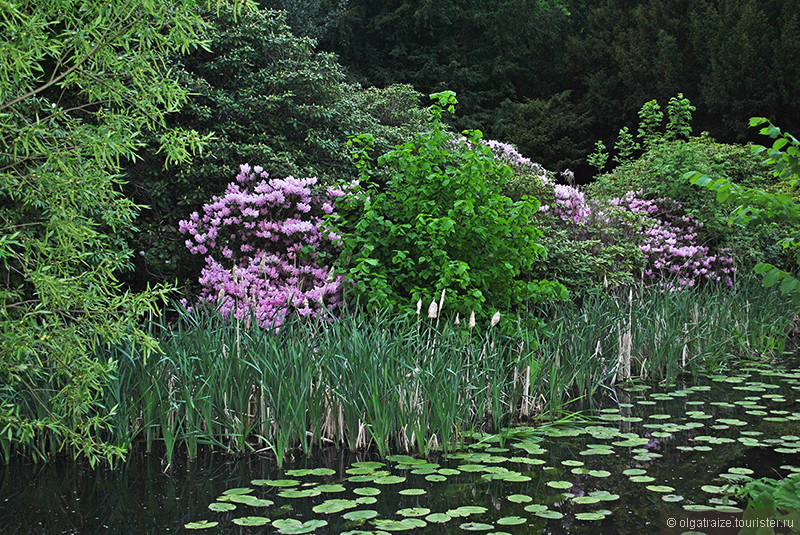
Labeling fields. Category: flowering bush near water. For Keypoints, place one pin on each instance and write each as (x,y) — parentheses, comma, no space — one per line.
(269,248)
(266,242)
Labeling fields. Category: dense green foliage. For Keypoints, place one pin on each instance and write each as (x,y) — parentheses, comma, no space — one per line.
(264,97)
(79,84)
(754,205)
(442,223)
(611,55)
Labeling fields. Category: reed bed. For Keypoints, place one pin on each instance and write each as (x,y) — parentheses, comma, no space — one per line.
(414,383)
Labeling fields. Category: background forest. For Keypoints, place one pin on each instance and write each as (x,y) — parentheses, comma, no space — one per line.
(552,76)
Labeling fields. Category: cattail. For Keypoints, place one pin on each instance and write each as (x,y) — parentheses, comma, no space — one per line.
(432,309)
(441,300)
(472,320)
(419,306)
(458,321)
(496,318)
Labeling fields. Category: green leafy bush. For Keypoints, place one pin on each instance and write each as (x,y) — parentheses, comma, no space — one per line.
(659,173)
(441,223)
(80,83)
(266,97)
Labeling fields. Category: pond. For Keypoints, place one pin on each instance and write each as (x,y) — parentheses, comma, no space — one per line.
(653,450)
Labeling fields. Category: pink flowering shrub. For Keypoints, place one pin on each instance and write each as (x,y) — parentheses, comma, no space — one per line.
(266,247)
(670,245)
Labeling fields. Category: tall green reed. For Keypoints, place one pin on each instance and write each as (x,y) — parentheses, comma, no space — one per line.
(416,383)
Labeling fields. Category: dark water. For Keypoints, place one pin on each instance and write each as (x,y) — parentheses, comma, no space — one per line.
(139,497)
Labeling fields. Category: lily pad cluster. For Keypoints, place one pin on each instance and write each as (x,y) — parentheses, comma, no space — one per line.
(521,479)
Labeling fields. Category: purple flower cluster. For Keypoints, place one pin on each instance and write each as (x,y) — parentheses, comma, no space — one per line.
(669,242)
(519,163)
(265,240)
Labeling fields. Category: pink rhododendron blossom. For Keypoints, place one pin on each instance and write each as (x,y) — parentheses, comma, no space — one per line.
(263,239)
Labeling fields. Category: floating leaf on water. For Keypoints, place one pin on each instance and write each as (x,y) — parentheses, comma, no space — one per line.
(560,484)
(550,514)
(634,472)
(527,460)
(330,488)
(698,508)
(466,510)
(727,509)
(740,470)
(672,498)
(586,500)
(660,416)
(404,459)
(360,516)
(399,525)
(590,516)
(604,495)
(334,506)
(535,508)
(366,500)
(436,478)
(251,501)
(660,488)
(276,482)
(511,521)
(237,491)
(372,465)
(291,526)
(476,526)
(519,498)
(251,521)
(414,511)
(449,472)
(219,507)
(571,462)
(303,493)
(641,479)
(580,471)
(201,524)
(389,480)
(599,473)
(472,467)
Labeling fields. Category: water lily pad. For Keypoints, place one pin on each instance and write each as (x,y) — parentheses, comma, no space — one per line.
(438,518)
(412,492)
(560,484)
(466,510)
(590,516)
(448,472)
(330,488)
(414,511)
(672,498)
(511,521)
(660,488)
(641,479)
(291,526)
(276,482)
(368,491)
(251,521)
(334,506)
(399,525)
(549,514)
(634,472)
(476,526)
(366,500)
(237,491)
(201,524)
(519,498)
(358,516)
(302,493)
(535,508)
(585,500)
(599,473)
(436,478)
(389,480)
(219,507)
